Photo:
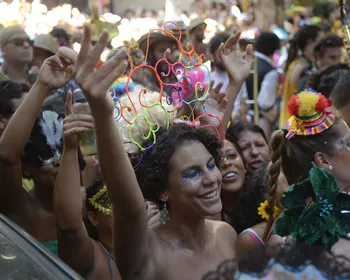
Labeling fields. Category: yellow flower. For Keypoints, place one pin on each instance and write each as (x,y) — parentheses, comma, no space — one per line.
(262,210)
(276,212)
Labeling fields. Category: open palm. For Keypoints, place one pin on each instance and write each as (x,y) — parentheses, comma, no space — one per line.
(95,83)
(215,105)
(57,70)
(237,63)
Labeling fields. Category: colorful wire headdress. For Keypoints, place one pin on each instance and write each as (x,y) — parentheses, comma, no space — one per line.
(101,201)
(309,112)
(141,112)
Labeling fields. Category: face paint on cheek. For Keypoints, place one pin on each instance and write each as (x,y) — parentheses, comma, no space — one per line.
(186,180)
(342,146)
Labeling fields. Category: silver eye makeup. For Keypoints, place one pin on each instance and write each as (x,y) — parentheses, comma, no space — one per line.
(343,145)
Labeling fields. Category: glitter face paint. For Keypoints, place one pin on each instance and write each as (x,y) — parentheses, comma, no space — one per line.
(343,145)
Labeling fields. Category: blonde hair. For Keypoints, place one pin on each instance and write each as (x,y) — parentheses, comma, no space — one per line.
(146,113)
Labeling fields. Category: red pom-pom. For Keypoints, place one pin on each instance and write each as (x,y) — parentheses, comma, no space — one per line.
(323,103)
(293,105)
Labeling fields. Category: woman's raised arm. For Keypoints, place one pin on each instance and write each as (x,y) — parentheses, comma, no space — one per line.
(74,244)
(129,215)
(55,72)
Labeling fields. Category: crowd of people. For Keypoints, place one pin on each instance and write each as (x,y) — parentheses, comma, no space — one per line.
(145,162)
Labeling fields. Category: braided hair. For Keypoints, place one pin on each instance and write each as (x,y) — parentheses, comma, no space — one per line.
(295,157)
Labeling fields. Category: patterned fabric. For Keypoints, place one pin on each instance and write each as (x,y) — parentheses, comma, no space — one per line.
(322,121)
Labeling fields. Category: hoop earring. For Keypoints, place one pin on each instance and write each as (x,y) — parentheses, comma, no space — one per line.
(164,215)
(330,167)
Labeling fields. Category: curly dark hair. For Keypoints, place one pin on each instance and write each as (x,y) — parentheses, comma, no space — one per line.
(245,214)
(153,173)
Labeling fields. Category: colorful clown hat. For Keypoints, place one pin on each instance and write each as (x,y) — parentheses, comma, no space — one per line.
(309,114)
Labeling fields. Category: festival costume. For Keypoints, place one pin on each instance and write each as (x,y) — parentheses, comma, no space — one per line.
(316,212)
(136,115)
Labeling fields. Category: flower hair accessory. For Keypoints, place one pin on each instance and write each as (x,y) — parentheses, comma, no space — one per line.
(262,210)
(309,114)
(101,201)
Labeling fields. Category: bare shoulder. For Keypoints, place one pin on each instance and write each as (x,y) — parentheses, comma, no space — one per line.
(222,229)
(244,243)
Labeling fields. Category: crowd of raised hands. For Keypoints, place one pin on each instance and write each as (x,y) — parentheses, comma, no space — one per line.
(135,239)
(138,249)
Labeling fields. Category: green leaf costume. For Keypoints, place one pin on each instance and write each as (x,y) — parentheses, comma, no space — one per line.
(315,210)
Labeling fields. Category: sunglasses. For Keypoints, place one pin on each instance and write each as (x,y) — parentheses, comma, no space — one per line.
(19,42)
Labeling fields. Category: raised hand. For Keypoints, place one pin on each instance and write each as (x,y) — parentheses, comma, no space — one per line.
(57,70)
(237,63)
(95,83)
(74,124)
(215,105)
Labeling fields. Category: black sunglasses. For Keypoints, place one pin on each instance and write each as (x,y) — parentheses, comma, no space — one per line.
(19,42)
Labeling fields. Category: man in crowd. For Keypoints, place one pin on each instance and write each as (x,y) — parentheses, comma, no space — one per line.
(328,52)
(196,29)
(340,96)
(268,79)
(158,45)
(45,46)
(17,51)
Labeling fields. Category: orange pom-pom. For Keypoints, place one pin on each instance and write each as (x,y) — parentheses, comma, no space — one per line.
(323,103)
(293,105)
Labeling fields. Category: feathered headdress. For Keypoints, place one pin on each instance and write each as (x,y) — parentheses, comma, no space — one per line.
(52,127)
(309,114)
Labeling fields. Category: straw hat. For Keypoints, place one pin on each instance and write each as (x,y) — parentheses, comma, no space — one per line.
(46,42)
(195,23)
(154,37)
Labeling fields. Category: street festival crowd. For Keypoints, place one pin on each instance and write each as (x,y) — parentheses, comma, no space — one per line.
(133,153)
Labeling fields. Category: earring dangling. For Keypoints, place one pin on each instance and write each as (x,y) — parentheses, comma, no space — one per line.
(330,167)
(164,215)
